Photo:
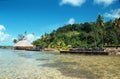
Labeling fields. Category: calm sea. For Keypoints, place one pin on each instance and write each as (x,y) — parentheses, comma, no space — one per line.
(20,64)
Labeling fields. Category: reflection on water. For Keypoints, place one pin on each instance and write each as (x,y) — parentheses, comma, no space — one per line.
(47,65)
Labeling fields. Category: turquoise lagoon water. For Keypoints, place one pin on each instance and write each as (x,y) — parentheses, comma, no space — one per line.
(25,64)
(16,64)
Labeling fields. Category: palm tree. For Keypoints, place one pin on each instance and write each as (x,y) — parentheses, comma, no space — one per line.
(100,21)
(117,22)
(15,41)
(21,37)
(117,29)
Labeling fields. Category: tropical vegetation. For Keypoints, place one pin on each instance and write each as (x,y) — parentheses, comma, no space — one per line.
(88,34)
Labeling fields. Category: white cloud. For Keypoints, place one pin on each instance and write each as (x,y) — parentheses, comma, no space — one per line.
(72,2)
(113,14)
(105,2)
(71,21)
(2,27)
(3,35)
(30,37)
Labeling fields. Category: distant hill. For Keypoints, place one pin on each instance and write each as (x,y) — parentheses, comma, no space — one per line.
(88,34)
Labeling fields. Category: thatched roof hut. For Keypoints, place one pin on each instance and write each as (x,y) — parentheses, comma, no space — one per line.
(23,45)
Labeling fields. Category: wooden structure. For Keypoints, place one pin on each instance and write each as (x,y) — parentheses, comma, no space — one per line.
(23,45)
(85,51)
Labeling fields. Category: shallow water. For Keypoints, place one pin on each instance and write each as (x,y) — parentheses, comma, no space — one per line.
(16,64)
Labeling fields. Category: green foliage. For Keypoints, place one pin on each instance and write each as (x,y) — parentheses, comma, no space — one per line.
(6,47)
(39,42)
(100,20)
(88,34)
(15,41)
(23,36)
(58,44)
(20,37)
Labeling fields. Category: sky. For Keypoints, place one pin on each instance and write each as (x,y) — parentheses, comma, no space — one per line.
(44,16)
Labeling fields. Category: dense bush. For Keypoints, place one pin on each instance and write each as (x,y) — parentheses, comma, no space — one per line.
(88,34)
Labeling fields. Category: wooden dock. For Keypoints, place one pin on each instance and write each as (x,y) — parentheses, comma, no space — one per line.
(85,52)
